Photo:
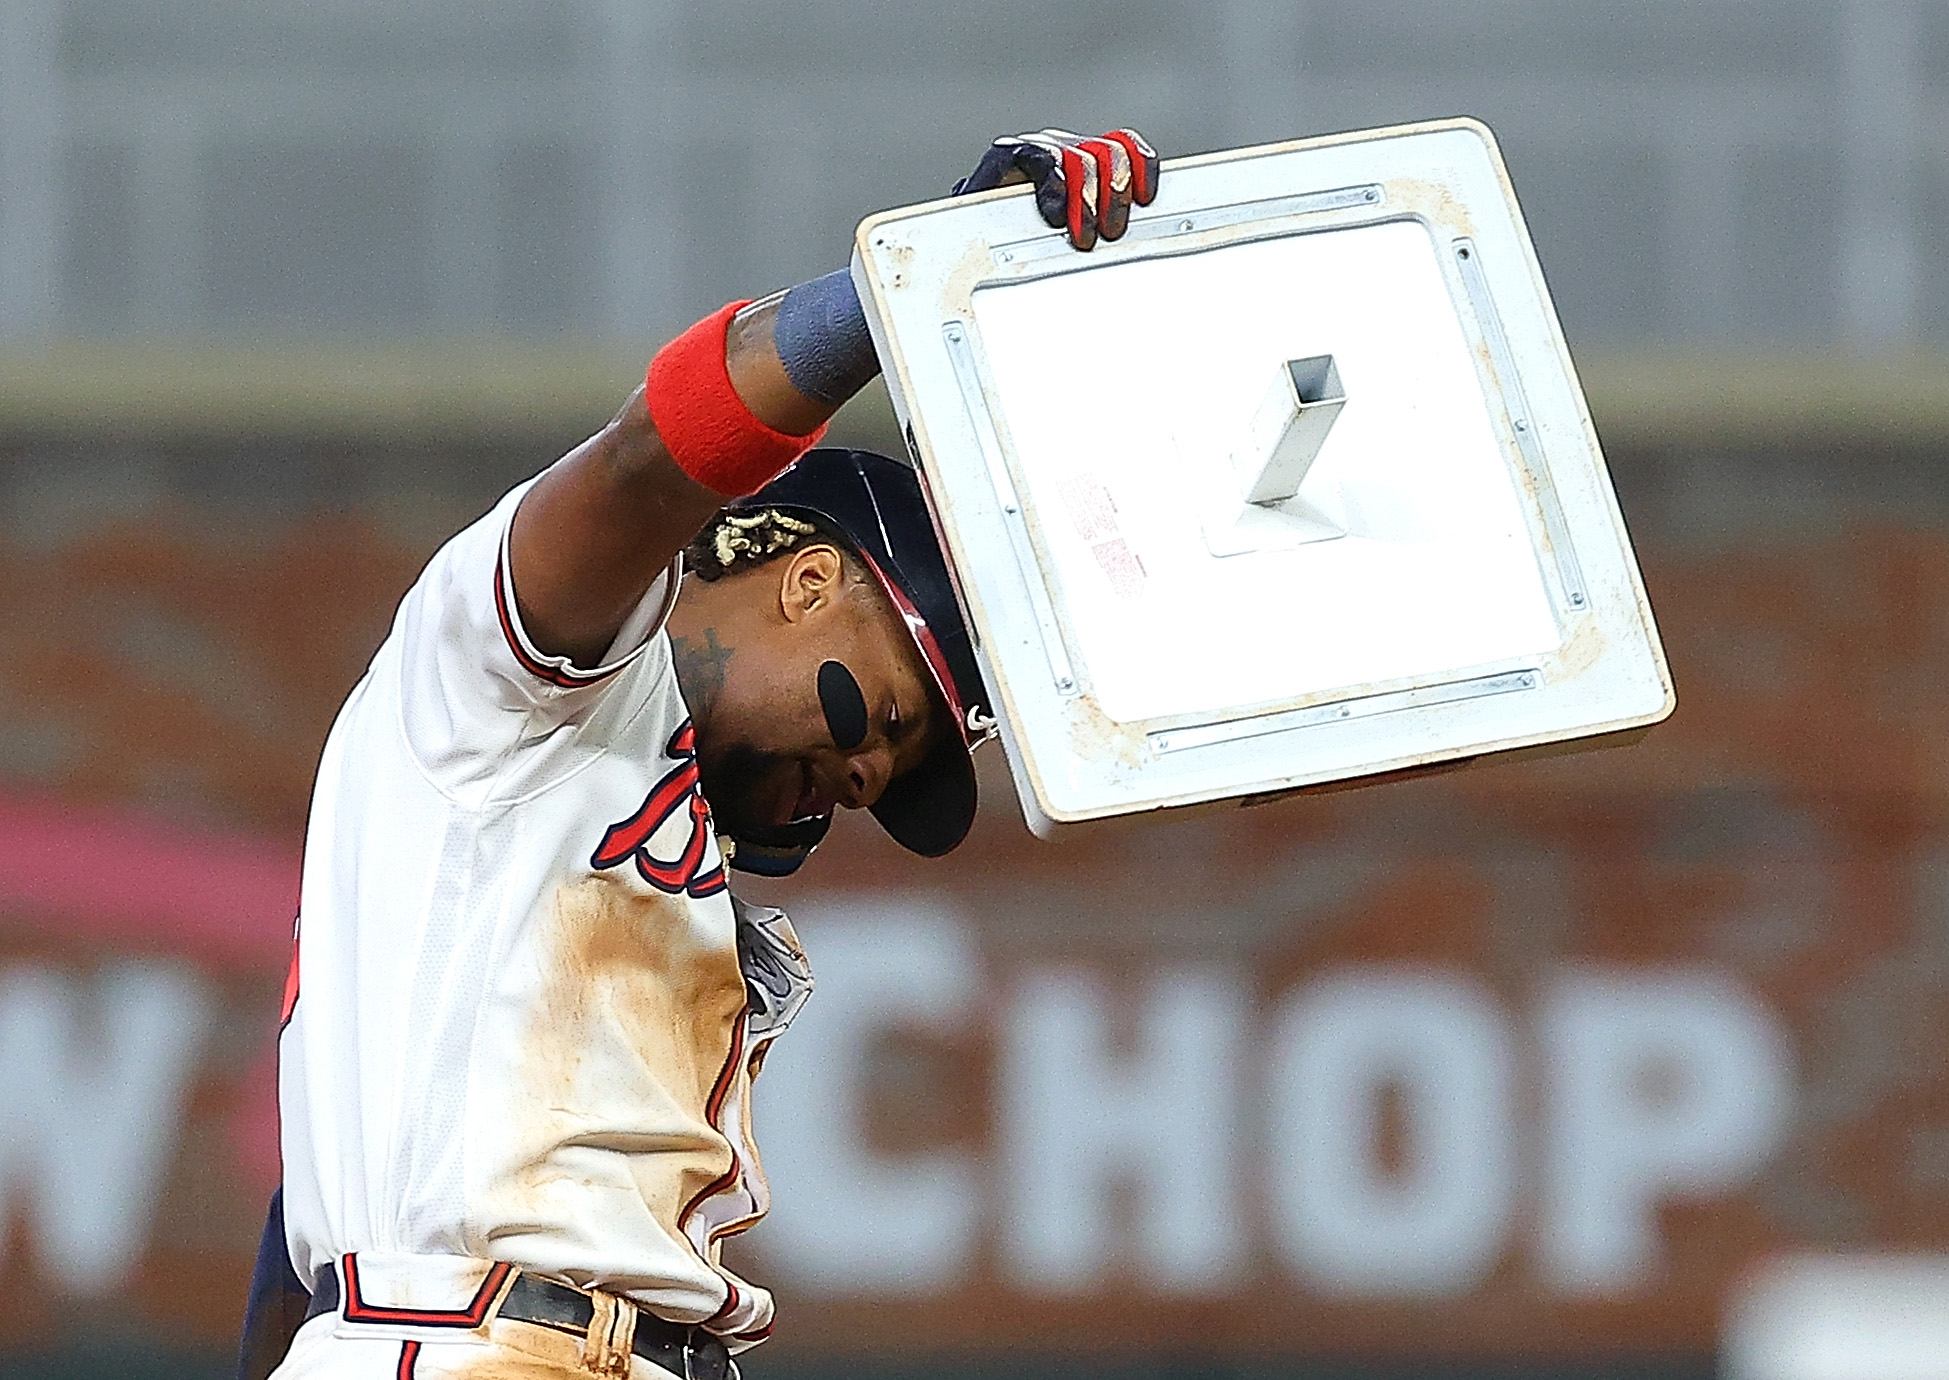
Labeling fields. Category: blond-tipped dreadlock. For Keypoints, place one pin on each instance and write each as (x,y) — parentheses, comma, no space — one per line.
(737,541)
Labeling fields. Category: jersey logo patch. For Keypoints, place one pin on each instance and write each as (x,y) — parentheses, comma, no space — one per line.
(679,790)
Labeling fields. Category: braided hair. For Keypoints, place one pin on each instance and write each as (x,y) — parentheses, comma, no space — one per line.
(736,540)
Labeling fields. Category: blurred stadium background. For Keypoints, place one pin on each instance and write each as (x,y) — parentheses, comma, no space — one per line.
(1623,1065)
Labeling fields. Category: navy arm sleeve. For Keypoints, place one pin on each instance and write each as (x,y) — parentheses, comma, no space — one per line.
(278,1300)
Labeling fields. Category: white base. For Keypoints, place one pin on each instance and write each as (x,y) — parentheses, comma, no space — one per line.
(1248,527)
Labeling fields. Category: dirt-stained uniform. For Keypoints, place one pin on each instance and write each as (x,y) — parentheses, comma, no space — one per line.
(521,1028)
(526,1013)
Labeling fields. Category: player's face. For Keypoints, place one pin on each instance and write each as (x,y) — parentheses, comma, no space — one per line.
(767,753)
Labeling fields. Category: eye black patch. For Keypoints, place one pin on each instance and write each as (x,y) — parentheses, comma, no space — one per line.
(844,704)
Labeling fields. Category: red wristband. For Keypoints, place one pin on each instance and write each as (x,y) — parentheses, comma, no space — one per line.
(703,422)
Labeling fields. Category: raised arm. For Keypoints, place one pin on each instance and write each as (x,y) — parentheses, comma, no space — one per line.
(603,522)
(731,402)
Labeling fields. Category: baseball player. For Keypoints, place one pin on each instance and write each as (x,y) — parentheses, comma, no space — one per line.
(526,1012)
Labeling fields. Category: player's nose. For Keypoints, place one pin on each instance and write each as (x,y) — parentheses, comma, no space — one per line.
(868,771)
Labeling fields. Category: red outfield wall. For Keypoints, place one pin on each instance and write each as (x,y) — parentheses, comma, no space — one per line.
(1529,1060)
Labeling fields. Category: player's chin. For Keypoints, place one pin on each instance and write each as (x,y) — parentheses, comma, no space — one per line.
(782,793)
(771,800)
(749,789)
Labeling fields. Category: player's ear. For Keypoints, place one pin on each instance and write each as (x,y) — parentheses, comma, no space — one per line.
(812,581)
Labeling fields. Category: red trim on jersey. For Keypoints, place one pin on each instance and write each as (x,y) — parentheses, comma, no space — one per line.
(731,1300)
(473,1315)
(567,677)
(713,1109)
(736,1227)
(290,983)
(756,1336)
(409,1359)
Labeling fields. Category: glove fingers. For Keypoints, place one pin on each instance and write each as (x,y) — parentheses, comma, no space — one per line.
(1075,185)
(1112,186)
(1083,187)
(1040,158)
(1143,164)
(1080,182)
(1052,201)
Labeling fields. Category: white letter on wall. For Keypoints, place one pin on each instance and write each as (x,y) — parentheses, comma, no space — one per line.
(1656,1084)
(1076,1119)
(94,1077)
(845,1218)
(1341,1220)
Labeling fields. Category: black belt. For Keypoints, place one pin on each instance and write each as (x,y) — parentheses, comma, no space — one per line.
(682,1350)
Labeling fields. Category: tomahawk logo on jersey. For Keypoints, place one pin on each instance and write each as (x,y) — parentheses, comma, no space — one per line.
(696,868)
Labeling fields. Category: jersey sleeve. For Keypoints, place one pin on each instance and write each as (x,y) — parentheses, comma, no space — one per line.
(473,685)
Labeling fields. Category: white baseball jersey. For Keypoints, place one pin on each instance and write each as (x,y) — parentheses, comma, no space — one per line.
(527,1010)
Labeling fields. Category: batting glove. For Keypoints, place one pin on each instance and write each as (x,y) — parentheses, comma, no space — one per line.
(1084,186)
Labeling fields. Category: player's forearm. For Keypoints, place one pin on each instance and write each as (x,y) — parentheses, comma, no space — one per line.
(795,357)
(792,359)
(763,374)
(820,336)
(596,529)
(600,526)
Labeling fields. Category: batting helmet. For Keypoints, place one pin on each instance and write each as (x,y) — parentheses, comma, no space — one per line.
(875,504)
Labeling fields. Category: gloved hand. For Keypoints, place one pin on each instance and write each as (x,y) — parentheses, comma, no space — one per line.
(1084,186)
